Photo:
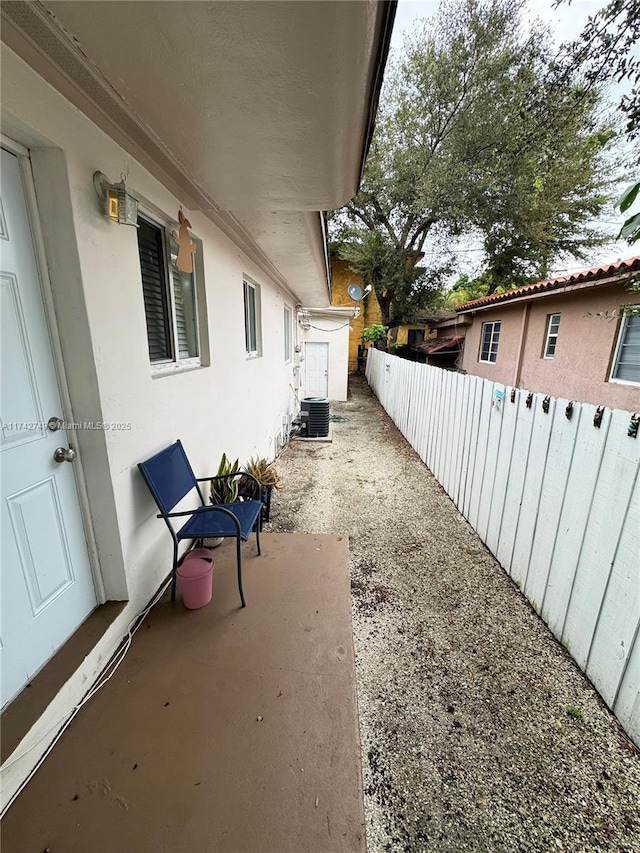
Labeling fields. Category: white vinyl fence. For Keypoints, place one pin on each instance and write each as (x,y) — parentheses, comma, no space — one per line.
(555,499)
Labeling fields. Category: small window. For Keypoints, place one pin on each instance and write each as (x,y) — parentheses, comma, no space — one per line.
(551,341)
(415,336)
(626,363)
(287,333)
(169,299)
(489,343)
(252,318)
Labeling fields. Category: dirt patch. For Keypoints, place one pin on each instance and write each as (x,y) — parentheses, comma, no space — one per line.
(368,595)
(478,731)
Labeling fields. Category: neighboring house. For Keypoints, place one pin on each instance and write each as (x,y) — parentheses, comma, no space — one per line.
(407,339)
(328,337)
(228,111)
(369,313)
(444,345)
(559,337)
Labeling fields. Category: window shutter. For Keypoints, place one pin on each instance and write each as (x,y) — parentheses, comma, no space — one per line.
(154,288)
(184,301)
(628,366)
(181,325)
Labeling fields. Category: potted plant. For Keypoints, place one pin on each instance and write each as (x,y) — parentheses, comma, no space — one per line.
(269,479)
(223,490)
(374,334)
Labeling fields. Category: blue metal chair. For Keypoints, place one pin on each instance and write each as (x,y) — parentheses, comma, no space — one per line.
(170,478)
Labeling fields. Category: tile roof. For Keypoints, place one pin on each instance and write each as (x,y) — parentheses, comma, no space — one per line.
(594,274)
(429,315)
(439,345)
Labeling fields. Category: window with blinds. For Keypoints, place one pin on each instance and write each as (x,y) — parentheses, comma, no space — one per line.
(626,364)
(287,333)
(169,298)
(251,318)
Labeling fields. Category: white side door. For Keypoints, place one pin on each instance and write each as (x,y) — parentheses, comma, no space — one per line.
(317,369)
(46,582)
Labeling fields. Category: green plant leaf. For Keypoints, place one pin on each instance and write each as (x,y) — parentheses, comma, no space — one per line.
(374,333)
(225,491)
(628,197)
(264,472)
(630,231)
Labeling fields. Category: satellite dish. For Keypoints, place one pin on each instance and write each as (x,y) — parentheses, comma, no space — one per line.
(355,292)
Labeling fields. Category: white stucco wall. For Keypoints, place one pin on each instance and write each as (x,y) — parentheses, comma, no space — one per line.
(335,332)
(236,404)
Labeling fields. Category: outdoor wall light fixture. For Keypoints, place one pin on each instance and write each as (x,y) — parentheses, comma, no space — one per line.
(118,203)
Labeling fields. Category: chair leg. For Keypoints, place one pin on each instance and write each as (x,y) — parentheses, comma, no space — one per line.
(174,574)
(239,561)
(258,526)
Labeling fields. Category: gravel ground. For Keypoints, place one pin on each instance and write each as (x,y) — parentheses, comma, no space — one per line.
(478,731)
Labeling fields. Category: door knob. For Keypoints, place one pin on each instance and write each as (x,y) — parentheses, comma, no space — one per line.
(64,454)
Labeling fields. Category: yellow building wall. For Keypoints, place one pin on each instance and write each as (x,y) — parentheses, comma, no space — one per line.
(403,333)
(370,313)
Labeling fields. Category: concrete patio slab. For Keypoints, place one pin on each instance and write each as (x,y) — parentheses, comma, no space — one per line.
(224,729)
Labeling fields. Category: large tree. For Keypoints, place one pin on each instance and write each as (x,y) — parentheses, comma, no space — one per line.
(607,50)
(477,135)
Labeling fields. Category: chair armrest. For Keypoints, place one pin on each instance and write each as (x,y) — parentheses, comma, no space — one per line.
(199,510)
(185,512)
(218,477)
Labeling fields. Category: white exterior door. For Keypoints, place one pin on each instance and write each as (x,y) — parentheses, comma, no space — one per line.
(317,370)
(46,583)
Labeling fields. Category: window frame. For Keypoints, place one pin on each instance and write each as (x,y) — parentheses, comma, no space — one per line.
(622,330)
(550,335)
(250,285)
(288,333)
(492,323)
(175,363)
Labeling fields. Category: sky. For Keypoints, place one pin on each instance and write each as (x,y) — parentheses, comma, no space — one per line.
(566,23)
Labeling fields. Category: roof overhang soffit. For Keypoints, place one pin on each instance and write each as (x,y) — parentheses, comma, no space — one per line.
(259,86)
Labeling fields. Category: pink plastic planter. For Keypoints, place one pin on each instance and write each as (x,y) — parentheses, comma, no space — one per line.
(195,577)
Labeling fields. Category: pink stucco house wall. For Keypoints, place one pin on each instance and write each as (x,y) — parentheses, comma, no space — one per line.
(544,337)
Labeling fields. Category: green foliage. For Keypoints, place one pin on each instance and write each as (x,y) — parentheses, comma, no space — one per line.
(266,475)
(606,50)
(373,334)
(264,472)
(478,135)
(400,286)
(630,231)
(467,289)
(225,491)
(576,713)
